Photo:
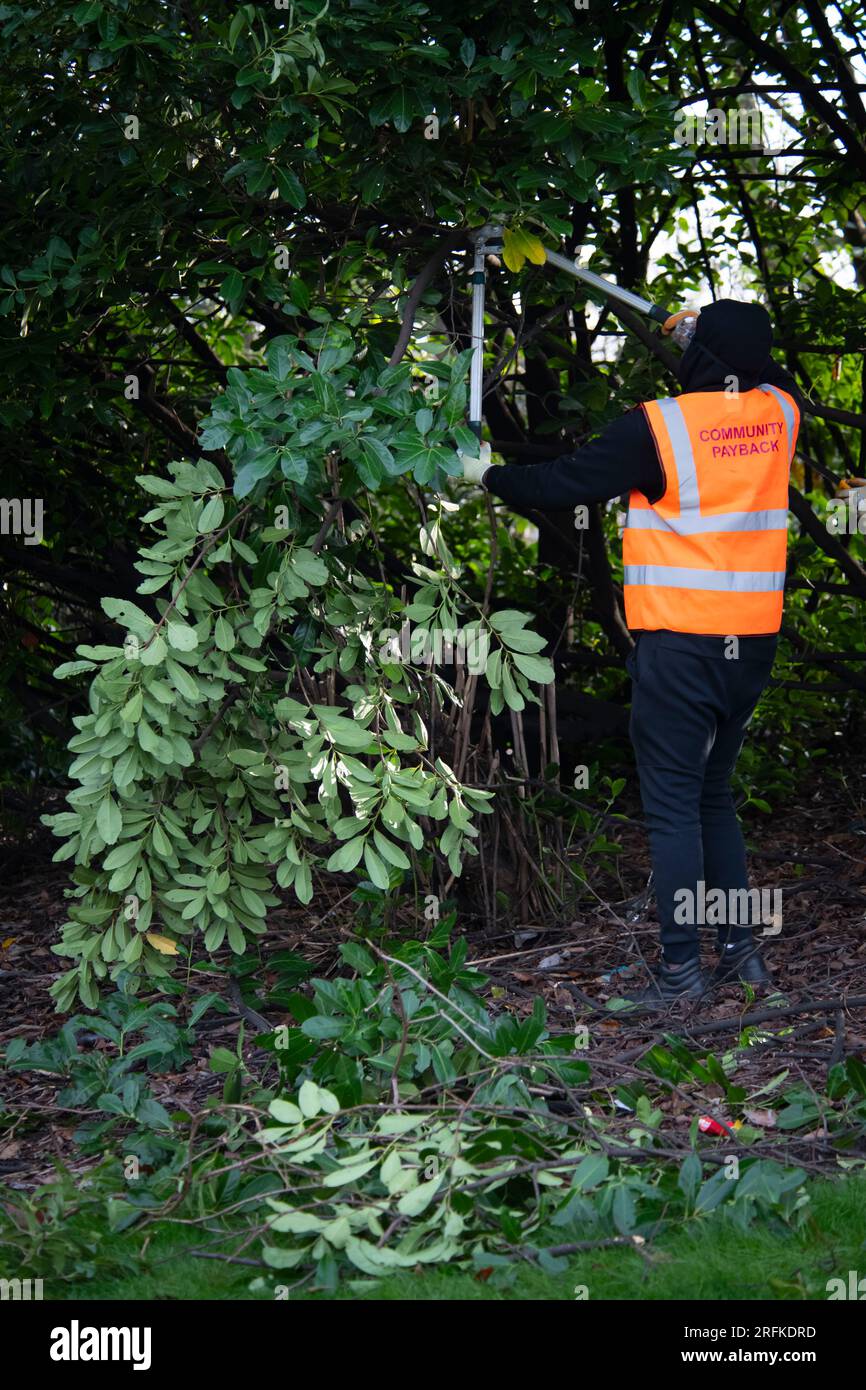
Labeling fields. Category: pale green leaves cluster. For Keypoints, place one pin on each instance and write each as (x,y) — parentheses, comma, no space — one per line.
(511,668)
(209,773)
(404,1170)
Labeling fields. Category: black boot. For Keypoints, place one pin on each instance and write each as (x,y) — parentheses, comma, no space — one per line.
(687,982)
(741,960)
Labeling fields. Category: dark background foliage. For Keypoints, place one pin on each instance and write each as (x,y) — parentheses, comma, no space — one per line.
(157,257)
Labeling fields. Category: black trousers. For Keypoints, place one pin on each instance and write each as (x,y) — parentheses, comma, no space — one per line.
(692,698)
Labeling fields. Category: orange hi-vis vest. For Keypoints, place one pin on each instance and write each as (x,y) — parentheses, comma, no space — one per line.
(709,555)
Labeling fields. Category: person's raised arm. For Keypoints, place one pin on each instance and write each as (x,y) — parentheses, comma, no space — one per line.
(622,458)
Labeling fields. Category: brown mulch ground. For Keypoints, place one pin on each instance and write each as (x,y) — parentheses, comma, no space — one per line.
(815,853)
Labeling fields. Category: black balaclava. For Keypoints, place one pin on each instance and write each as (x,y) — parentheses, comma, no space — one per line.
(731,339)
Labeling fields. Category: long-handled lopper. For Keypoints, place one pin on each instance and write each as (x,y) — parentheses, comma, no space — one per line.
(488,240)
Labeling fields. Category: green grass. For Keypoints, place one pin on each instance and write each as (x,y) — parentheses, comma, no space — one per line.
(707,1259)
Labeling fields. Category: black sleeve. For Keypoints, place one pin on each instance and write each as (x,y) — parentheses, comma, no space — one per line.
(775,375)
(621,459)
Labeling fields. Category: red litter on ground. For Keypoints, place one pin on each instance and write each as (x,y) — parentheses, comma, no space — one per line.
(707,1125)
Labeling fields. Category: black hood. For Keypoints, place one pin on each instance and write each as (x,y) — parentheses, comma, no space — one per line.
(731,339)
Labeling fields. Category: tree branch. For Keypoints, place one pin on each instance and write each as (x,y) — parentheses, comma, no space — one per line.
(440,255)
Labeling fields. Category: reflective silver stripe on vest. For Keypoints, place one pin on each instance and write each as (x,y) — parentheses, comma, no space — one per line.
(640,519)
(726,581)
(788,414)
(683,458)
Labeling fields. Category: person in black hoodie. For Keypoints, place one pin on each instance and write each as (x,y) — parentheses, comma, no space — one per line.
(689,710)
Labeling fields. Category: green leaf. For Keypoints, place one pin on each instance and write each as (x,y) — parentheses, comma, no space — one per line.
(224,634)
(238,24)
(390,852)
(285,1112)
(304,882)
(375,867)
(369,466)
(513,698)
(253,471)
(356,957)
(212,514)
(322,1027)
(343,860)
(132,710)
(278,1258)
(855,1071)
(520,640)
(309,1099)
(247,757)
(185,683)
(418,1199)
(514,249)
(401,108)
(73,668)
(624,1215)
(109,821)
(310,567)
(291,188)
(345,732)
(690,1174)
(128,615)
(508,618)
(423,458)
(350,1173)
(181,636)
(299,1223)
(637,87)
(378,458)
(535,668)
(232,286)
(153,653)
(590,1172)
(123,854)
(126,768)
